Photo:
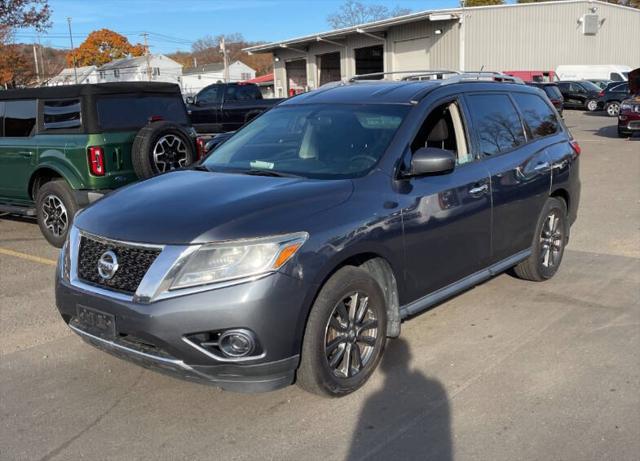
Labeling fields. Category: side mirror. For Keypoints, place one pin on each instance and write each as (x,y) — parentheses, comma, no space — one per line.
(191,100)
(431,160)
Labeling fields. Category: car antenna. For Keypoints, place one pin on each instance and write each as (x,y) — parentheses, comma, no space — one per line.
(481,69)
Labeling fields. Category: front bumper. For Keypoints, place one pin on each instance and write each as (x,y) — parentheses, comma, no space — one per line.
(628,122)
(156,335)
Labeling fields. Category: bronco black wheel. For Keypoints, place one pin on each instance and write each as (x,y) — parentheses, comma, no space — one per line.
(548,245)
(56,208)
(345,335)
(161,147)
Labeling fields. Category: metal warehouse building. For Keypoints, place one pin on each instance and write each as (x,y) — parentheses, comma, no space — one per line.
(529,36)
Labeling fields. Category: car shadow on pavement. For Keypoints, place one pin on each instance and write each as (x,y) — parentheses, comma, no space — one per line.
(408,418)
(610,131)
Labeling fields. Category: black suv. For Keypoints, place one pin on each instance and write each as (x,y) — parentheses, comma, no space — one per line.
(613,95)
(581,94)
(553,93)
(319,227)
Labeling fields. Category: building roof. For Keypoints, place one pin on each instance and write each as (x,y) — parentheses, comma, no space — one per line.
(213,67)
(384,24)
(67,75)
(133,62)
(263,79)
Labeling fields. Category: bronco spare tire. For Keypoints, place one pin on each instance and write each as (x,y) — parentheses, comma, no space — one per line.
(160,147)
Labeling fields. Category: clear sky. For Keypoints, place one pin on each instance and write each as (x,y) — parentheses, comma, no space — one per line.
(175,24)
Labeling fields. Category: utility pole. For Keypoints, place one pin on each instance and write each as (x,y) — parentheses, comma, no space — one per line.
(73,55)
(43,69)
(223,48)
(35,59)
(146,54)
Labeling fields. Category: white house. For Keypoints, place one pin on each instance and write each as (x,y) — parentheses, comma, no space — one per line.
(155,67)
(86,74)
(196,78)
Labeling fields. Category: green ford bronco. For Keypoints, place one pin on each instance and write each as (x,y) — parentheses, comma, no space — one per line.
(64,147)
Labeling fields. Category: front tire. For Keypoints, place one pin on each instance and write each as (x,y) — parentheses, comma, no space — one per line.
(548,245)
(345,335)
(56,208)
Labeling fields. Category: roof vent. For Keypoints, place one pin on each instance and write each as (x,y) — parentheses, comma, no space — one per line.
(590,24)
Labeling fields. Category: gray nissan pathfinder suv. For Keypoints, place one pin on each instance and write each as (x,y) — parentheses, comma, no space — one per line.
(298,246)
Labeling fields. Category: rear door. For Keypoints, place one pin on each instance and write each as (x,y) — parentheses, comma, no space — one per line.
(18,148)
(519,170)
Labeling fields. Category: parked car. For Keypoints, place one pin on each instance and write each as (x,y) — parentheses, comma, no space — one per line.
(613,72)
(629,116)
(538,76)
(223,107)
(600,83)
(581,94)
(295,249)
(553,93)
(612,97)
(64,147)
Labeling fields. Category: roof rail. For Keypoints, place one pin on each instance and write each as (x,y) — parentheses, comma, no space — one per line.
(380,75)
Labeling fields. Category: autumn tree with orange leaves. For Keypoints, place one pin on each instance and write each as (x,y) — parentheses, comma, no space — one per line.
(103,46)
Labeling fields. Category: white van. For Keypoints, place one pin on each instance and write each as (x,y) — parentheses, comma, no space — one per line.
(615,72)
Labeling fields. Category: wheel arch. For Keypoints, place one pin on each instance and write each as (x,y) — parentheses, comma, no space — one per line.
(48,172)
(564,195)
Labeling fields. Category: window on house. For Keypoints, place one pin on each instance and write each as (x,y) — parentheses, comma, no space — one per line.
(156,71)
(245,76)
(62,114)
(116,73)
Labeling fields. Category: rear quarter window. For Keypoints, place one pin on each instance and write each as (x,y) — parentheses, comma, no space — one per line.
(552,91)
(62,114)
(537,114)
(496,122)
(135,111)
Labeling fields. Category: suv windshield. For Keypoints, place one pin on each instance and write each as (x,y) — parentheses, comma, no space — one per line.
(134,111)
(314,141)
(552,91)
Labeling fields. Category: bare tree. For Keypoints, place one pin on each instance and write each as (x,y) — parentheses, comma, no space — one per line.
(353,12)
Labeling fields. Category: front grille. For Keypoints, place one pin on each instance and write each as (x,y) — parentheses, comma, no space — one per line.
(133,264)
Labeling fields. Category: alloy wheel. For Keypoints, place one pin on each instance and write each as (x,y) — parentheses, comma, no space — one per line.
(551,240)
(350,336)
(170,153)
(613,109)
(592,105)
(55,216)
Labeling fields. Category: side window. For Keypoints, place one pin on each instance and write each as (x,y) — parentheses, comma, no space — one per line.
(537,115)
(210,95)
(497,123)
(1,119)
(232,93)
(20,118)
(575,88)
(443,128)
(622,88)
(563,87)
(62,114)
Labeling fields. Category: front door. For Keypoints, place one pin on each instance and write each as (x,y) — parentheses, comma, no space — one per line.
(18,150)
(447,218)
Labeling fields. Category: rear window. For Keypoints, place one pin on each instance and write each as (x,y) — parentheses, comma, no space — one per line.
(242,93)
(537,115)
(496,122)
(62,114)
(135,111)
(552,91)
(20,118)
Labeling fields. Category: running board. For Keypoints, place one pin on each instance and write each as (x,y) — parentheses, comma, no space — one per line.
(16,209)
(469,281)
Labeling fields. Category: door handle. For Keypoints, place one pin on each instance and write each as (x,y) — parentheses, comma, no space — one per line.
(541,166)
(479,189)
(25,154)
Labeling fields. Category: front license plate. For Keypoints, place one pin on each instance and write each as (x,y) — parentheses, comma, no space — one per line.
(96,322)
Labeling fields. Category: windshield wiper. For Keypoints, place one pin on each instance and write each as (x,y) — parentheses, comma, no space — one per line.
(201,168)
(275,174)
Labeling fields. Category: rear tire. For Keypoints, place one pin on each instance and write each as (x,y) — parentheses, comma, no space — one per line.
(161,147)
(612,108)
(591,105)
(345,337)
(55,208)
(548,244)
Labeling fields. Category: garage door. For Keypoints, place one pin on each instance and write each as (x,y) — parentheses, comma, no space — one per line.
(296,76)
(411,54)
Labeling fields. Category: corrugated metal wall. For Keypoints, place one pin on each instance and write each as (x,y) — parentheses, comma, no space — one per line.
(543,36)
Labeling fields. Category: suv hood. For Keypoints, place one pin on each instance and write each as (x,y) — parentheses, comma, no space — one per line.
(198,206)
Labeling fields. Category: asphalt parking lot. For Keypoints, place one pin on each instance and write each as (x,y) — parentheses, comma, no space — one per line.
(509,370)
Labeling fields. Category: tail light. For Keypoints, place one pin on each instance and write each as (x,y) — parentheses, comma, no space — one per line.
(601,94)
(575,146)
(200,144)
(156,118)
(96,160)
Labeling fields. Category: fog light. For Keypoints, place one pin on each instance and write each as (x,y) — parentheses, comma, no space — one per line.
(236,343)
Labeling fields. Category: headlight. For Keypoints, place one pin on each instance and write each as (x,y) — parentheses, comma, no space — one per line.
(65,259)
(220,262)
(625,106)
